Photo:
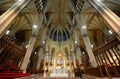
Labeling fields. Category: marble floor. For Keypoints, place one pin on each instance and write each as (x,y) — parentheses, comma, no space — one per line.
(40,76)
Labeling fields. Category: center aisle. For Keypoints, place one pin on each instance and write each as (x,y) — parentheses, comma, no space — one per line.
(40,76)
(58,78)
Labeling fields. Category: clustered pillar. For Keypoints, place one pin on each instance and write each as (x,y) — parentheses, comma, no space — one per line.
(28,53)
(83,29)
(110,17)
(7,17)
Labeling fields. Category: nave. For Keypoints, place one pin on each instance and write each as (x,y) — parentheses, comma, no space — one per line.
(59,39)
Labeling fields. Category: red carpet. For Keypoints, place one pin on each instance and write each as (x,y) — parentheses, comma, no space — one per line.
(12,75)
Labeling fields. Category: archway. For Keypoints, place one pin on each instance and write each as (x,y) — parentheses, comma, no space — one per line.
(59,60)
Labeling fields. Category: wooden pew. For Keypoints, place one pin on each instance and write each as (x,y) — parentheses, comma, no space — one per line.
(12,75)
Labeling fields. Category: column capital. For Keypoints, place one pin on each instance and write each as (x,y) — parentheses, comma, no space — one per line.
(110,17)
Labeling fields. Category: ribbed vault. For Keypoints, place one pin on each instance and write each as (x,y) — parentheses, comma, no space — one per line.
(59,19)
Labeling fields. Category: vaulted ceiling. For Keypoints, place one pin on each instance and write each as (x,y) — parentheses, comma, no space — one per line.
(59,16)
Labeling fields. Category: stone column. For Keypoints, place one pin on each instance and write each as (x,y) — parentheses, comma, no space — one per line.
(76,44)
(74,60)
(64,65)
(1,50)
(76,37)
(49,61)
(111,18)
(28,53)
(7,17)
(89,51)
(40,56)
(83,29)
(70,65)
(44,67)
(36,22)
(78,55)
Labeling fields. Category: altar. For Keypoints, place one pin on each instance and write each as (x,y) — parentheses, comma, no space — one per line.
(59,72)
